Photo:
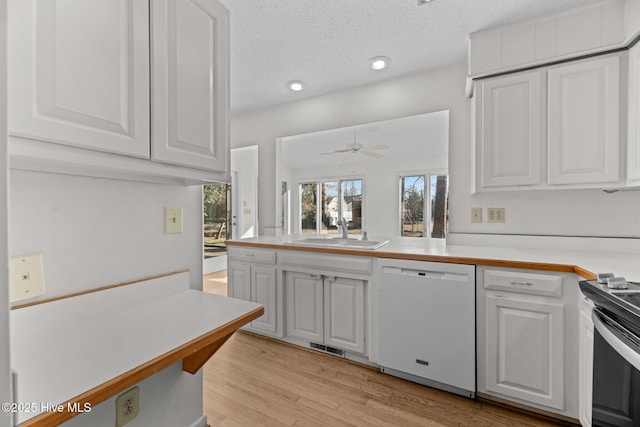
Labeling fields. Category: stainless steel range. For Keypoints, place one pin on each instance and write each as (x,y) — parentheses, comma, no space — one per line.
(616,352)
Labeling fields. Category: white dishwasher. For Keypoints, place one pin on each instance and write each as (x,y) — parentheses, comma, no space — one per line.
(426,323)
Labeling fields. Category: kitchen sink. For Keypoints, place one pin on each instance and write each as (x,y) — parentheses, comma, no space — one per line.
(340,242)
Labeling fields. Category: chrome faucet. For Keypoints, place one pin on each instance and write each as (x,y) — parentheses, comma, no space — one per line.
(342,228)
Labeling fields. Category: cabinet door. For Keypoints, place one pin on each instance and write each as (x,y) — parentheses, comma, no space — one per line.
(584,122)
(239,281)
(585,365)
(344,313)
(304,306)
(263,291)
(509,130)
(524,350)
(633,161)
(190,79)
(79,73)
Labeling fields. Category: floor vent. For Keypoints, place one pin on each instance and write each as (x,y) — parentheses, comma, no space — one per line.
(326,349)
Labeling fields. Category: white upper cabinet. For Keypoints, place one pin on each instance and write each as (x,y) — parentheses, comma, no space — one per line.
(190,97)
(510,130)
(633,157)
(79,73)
(551,128)
(134,78)
(577,32)
(584,122)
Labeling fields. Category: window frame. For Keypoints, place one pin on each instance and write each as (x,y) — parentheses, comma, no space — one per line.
(427,174)
(318,182)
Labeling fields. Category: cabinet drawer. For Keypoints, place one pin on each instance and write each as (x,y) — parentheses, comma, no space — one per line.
(525,283)
(264,256)
(333,263)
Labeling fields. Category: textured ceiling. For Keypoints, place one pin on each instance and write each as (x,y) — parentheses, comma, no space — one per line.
(327,43)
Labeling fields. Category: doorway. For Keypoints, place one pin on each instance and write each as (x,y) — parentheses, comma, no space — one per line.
(216,202)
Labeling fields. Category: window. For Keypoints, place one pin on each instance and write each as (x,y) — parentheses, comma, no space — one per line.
(424,196)
(322,203)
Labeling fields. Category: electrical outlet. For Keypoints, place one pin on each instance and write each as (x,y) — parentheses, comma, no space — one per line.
(495,215)
(476,215)
(25,277)
(172,220)
(127,406)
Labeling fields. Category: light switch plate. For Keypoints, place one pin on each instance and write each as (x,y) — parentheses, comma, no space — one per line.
(26,279)
(476,215)
(172,220)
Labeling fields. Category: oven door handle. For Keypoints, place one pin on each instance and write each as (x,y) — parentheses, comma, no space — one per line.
(627,352)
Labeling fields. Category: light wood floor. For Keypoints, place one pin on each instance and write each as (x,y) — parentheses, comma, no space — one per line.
(254,381)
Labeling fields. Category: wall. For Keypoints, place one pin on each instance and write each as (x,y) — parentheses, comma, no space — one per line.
(94,232)
(5,366)
(244,162)
(170,398)
(572,213)
(436,90)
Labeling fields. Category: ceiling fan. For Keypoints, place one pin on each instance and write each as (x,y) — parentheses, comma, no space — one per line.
(357,148)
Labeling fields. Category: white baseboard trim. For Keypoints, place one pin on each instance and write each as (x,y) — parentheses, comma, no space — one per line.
(213,264)
(200,422)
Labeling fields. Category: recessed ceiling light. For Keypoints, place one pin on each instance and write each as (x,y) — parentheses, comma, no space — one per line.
(421,2)
(296,85)
(379,62)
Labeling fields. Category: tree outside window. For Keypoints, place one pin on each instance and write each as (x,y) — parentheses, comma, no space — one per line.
(415,193)
(216,207)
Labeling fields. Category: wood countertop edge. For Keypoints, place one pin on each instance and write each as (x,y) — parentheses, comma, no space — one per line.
(564,268)
(201,344)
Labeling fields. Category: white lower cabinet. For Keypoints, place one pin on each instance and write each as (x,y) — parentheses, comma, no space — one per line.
(257,282)
(344,313)
(304,306)
(525,350)
(263,291)
(585,363)
(327,310)
(527,346)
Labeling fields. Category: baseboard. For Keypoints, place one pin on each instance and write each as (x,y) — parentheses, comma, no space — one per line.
(200,422)
(527,410)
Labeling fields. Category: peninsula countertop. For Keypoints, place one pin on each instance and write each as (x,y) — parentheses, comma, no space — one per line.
(584,257)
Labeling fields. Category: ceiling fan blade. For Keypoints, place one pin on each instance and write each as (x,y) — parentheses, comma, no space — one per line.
(347,157)
(377,147)
(337,151)
(374,155)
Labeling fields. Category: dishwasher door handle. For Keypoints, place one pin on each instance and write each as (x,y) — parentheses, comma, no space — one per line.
(426,274)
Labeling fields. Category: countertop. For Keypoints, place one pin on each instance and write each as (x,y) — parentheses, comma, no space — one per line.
(583,256)
(72,350)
